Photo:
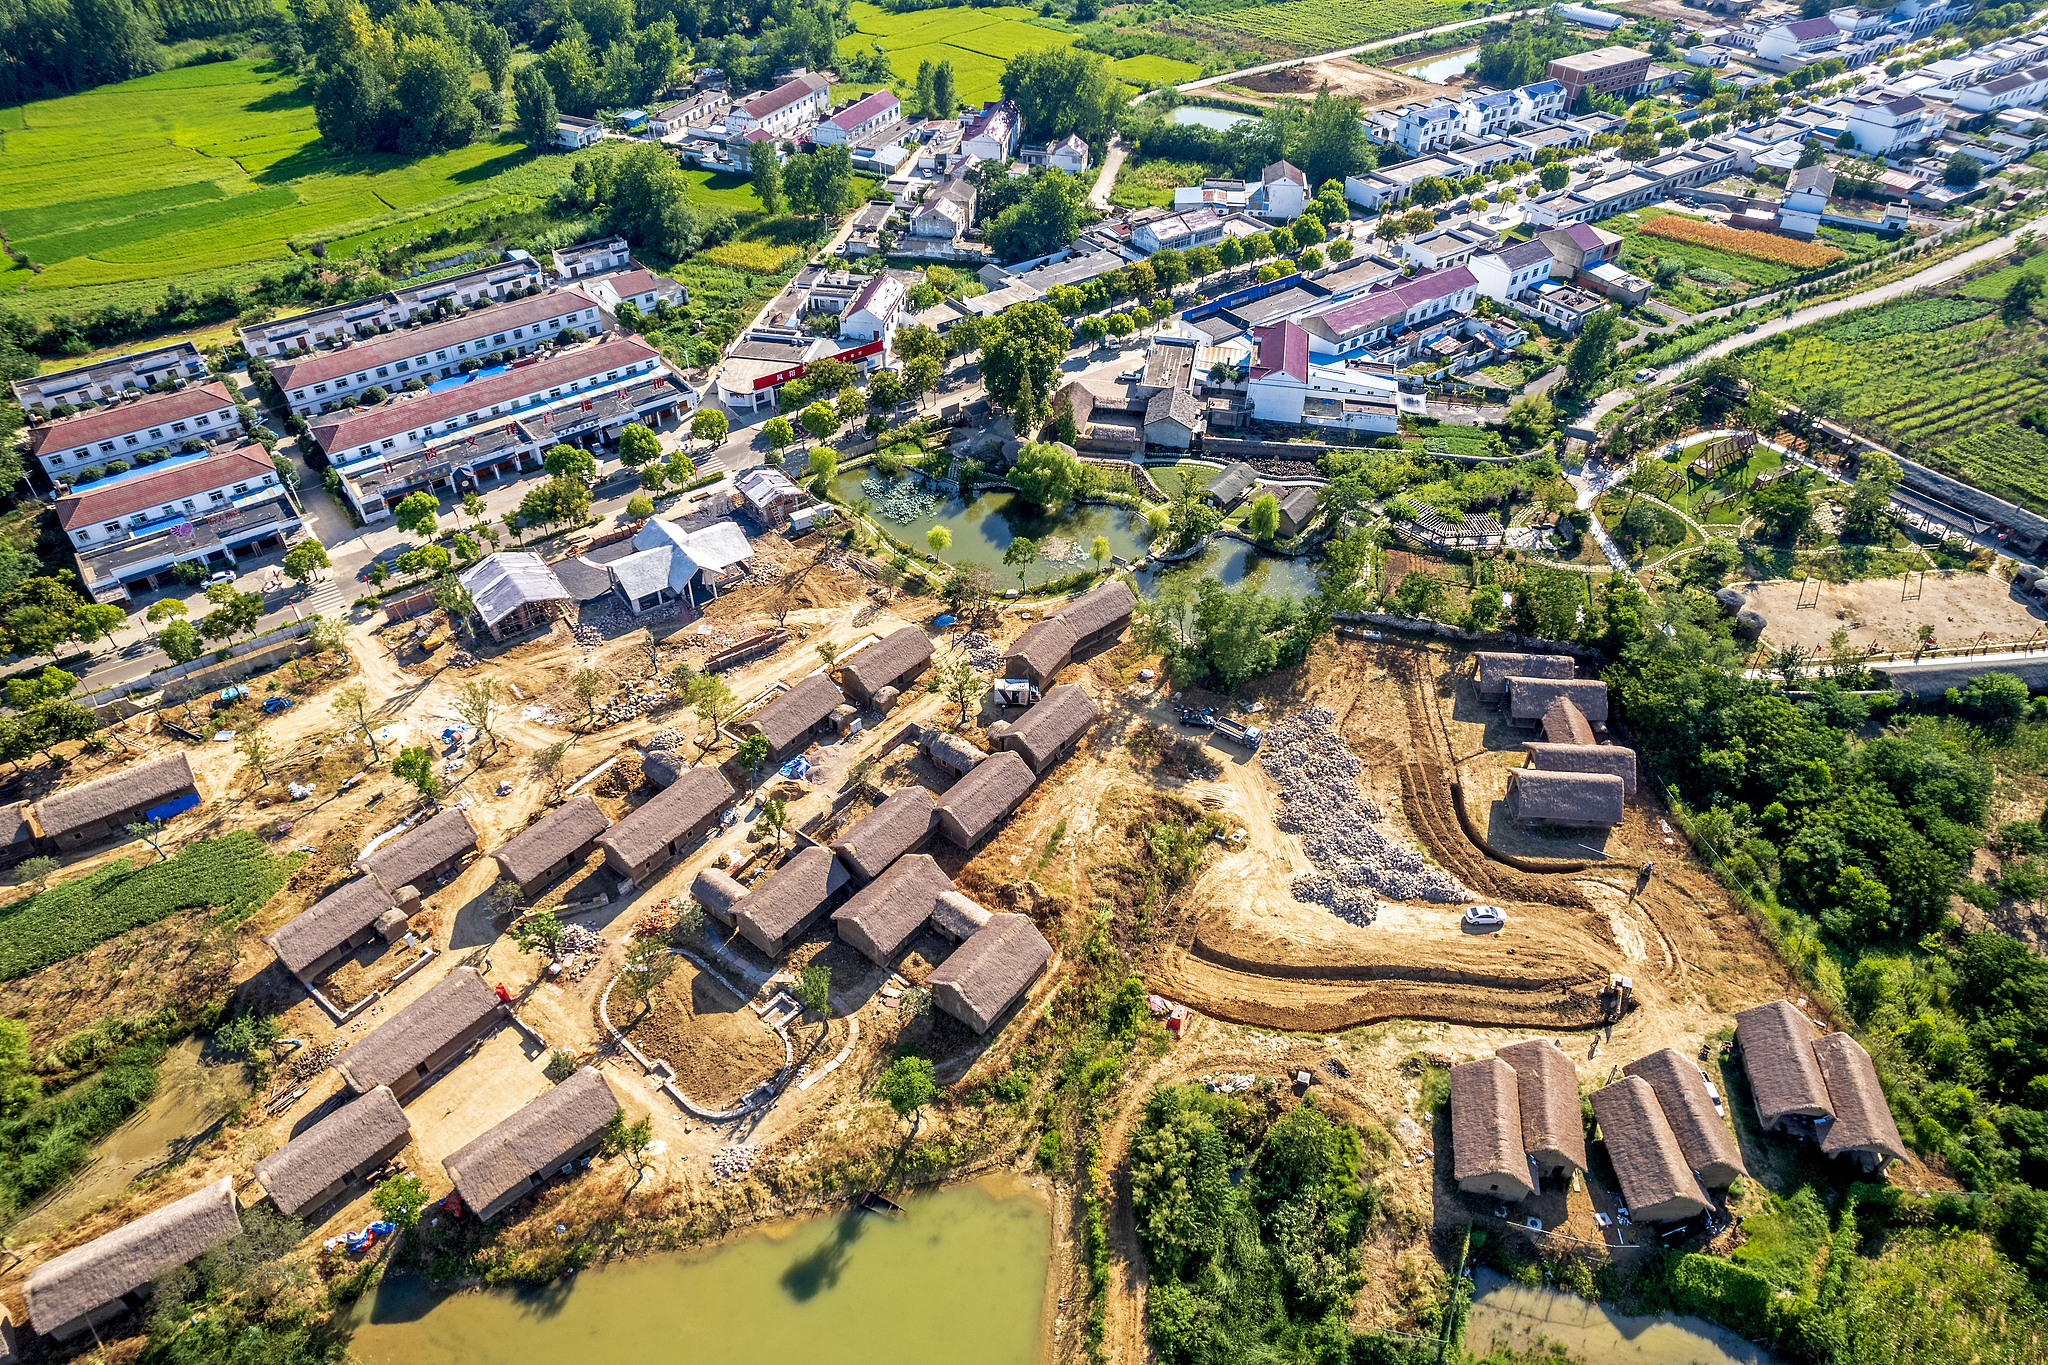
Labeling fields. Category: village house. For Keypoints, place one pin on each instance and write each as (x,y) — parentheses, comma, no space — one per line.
(1863,1126)
(643,289)
(404,1050)
(573,134)
(179,362)
(948,751)
(1569,800)
(1656,1182)
(900,824)
(783,111)
(1049,731)
(1297,509)
(1287,387)
(515,592)
(596,257)
(547,848)
(1547,1095)
(340,922)
(1681,1091)
(424,856)
(972,808)
(496,1169)
(1776,1042)
(127,429)
(702,107)
(670,821)
(1529,698)
(790,899)
(1619,71)
(1487,1156)
(104,807)
(789,721)
(298,333)
(670,564)
(1081,626)
(846,127)
(91,1284)
(894,661)
(1069,154)
(1611,759)
(992,970)
(881,918)
(323,1162)
(946,213)
(767,494)
(992,134)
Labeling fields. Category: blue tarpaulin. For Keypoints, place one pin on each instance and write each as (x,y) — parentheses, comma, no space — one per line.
(172,807)
(797,767)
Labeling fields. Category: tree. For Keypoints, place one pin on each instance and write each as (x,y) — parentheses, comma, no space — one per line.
(945,102)
(820,420)
(493,49)
(353,702)
(533,103)
(1783,507)
(1062,90)
(1962,171)
(418,514)
(709,425)
(630,1140)
(254,747)
(1052,212)
(885,391)
(1555,176)
(35,872)
(417,766)
(401,1199)
(97,620)
(921,375)
(773,819)
(778,433)
(587,684)
(169,609)
(540,931)
(305,560)
(1021,552)
(648,964)
(961,685)
(938,538)
(751,754)
(1020,357)
(713,701)
(476,701)
(570,462)
(1432,190)
(1263,521)
(1048,474)
(815,990)
(1593,352)
(637,446)
(764,164)
(907,1086)
(1098,550)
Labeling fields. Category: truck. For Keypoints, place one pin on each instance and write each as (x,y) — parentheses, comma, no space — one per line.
(1237,732)
(1014,692)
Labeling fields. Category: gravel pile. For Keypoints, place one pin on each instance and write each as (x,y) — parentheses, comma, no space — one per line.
(981,651)
(729,1163)
(462,659)
(581,948)
(588,636)
(1339,829)
(667,737)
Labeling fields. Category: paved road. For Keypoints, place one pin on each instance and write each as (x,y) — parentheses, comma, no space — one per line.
(1105,180)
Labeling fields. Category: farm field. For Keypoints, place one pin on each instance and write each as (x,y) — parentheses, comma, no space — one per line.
(1319,25)
(1718,268)
(976,41)
(1155,71)
(1933,380)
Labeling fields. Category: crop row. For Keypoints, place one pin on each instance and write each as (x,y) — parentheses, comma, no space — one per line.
(1762,246)
(1318,25)
(1919,315)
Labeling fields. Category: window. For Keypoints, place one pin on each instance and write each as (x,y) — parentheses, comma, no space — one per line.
(106,448)
(383,372)
(202,420)
(113,528)
(191,506)
(131,440)
(59,459)
(404,365)
(385,445)
(240,489)
(298,393)
(554,393)
(319,388)
(216,496)
(440,355)
(362,379)
(156,433)
(169,510)
(498,340)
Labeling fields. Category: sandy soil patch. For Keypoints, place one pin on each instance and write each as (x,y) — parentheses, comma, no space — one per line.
(1887,613)
(719,1049)
(1374,86)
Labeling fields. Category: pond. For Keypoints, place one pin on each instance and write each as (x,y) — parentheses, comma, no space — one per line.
(960,1278)
(1233,564)
(1443,66)
(1510,1316)
(1222,120)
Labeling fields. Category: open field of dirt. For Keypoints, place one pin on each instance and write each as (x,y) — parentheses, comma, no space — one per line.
(1375,87)
(1887,613)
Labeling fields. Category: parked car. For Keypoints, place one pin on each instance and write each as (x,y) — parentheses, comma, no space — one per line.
(223,576)
(1485,916)
(1644,376)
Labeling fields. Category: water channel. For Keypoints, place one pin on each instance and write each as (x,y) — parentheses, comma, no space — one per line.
(1506,1315)
(1442,67)
(1222,120)
(960,1278)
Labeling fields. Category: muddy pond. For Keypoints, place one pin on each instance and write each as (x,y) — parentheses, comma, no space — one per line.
(960,1278)
(1530,1322)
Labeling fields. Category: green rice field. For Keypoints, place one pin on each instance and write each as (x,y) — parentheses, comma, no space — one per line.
(1155,71)
(1319,25)
(976,41)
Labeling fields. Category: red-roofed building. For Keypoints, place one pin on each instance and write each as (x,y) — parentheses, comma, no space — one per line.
(781,111)
(1286,385)
(877,110)
(128,427)
(1282,349)
(641,288)
(1365,321)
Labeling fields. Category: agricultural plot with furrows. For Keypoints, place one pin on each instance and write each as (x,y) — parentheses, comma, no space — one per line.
(976,41)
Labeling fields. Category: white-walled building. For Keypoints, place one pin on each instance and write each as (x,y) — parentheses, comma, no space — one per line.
(126,429)
(1885,127)
(1447,246)
(760,363)
(1286,385)
(306,331)
(679,117)
(642,288)
(876,311)
(574,134)
(128,532)
(1806,199)
(1388,314)
(1808,38)
(178,362)
(783,111)
(592,258)
(2019,90)
(993,134)
(864,115)
(1504,274)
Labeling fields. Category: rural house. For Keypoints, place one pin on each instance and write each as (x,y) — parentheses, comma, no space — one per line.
(99,1281)
(515,592)
(591,258)
(297,333)
(990,971)
(1486,1131)
(768,494)
(1040,652)
(339,1150)
(545,849)
(900,825)
(133,427)
(978,802)
(671,820)
(1553,1132)
(1568,800)
(669,564)
(643,289)
(103,379)
(340,922)
(895,661)
(788,722)
(1681,1091)
(1656,1182)
(1049,731)
(408,1047)
(1863,1126)
(104,807)
(789,900)
(1776,1042)
(1529,698)
(1496,669)
(1228,487)
(783,111)
(1564,725)
(1611,759)
(1090,620)
(883,915)
(419,858)
(1297,509)
(494,1170)
(718,893)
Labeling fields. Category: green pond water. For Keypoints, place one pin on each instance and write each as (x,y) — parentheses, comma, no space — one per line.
(960,1278)
(1507,1316)
(984,528)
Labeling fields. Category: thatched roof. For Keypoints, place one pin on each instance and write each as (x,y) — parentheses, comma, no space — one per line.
(571,826)
(65,1289)
(977,802)
(410,859)
(1566,798)
(329,922)
(1106,606)
(1486,1128)
(1777,1056)
(143,785)
(1496,669)
(1564,723)
(306,1167)
(887,661)
(1046,647)
(958,917)
(1529,698)
(494,1167)
(989,971)
(1058,719)
(880,919)
(790,716)
(900,823)
(1552,1129)
(1586,758)
(1655,1179)
(789,898)
(718,892)
(1232,483)
(692,797)
(951,752)
(1863,1121)
(1682,1094)
(456,1007)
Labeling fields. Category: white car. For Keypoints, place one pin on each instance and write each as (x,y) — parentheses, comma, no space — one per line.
(1485,916)
(1643,376)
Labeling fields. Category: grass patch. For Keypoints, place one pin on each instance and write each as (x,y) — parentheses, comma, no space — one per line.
(977,41)
(233,875)
(1318,25)
(1153,70)
(1143,182)
(756,258)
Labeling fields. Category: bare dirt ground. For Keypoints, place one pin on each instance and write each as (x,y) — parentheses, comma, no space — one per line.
(1887,613)
(1376,87)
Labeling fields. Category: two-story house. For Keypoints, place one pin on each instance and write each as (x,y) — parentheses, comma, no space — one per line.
(1285,384)
(1399,312)
(783,111)
(680,117)
(592,258)
(103,379)
(642,288)
(508,278)
(1887,126)
(1420,129)
(1795,41)
(993,134)
(1448,246)
(127,532)
(875,311)
(124,430)
(1487,114)
(1541,102)
(858,119)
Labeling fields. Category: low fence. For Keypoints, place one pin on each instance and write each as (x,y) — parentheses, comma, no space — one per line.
(1310,451)
(248,657)
(1480,639)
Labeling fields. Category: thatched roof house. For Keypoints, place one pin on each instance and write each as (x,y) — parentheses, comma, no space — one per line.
(1863,1126)
(1040,652)
(951,752)
(334,925)
(1655,1178)
(1496,669)
(1682,1094)
(1487,1156)
(17,841)
(1227,488)
(545,849)
(495,1169)
(1565,724)
(671,821)
(415,859)
(88,1285)
(1537,796)
(347,1145)
(104,807)
(1553,1133)
(1049,731)
(1297,509)
(718,894)
(1586,758)
(901,824)
(990,971)
(895,660)
(790,899)
(1529,698)
(405,1049)
(970,811)
(787,721)
(1099,614)
(1784,1076)
(882,916)
(958,917)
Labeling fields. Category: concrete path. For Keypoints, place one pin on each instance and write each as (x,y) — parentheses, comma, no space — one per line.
(1105,180)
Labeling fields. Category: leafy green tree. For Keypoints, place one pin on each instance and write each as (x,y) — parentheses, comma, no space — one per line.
(630,1140)
(906,1086)
(1052,213)
(541,932)
(778,433)
(1062,90)
(493,49)
(637,446)
(534,104)
(1263,521)
(939,539)
(401,1199)
(751,754)
(713,702)
(1593,353)
(1047,474)
(764,166)
(1019,555)
(820,420)
(304,560)
(709,425)
(772,820)
(815,990)
(648,964)
(1021,353)
(416,765)
(418,513)
(570,462)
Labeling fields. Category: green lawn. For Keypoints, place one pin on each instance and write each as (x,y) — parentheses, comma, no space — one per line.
(1156,71)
